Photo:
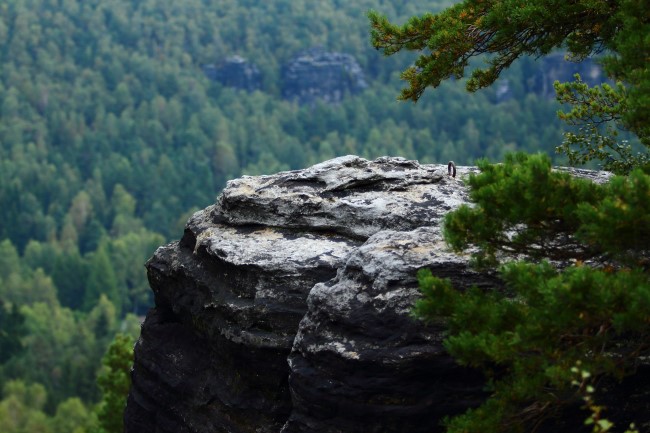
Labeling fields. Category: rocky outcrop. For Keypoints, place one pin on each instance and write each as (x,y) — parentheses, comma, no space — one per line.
(360,362)
(545,71)
(286,307)
(310,76)
(556,68)
(237,72)
(317,74)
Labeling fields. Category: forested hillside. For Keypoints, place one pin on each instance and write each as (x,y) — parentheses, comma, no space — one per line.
(111,134)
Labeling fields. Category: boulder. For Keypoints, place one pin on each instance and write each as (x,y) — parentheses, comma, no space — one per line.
(360,362)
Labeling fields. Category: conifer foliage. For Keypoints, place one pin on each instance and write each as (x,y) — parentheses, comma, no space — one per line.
(115,381)
(502,31)
(505,29)
(593,313)
(574,255)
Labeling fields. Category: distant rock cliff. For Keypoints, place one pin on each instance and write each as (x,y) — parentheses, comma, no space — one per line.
(311,75)
(555,67)
(237,72)
(551,68)
(286,306)
(317,74)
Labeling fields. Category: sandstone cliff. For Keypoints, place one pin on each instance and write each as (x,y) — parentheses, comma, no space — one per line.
(286,305)
(319,75)
(237,72)
(310,76)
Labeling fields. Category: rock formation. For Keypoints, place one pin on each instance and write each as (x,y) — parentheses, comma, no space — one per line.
(546,71)
(316,74)
(237,72)
(312,75)
(555,67)
(286,306)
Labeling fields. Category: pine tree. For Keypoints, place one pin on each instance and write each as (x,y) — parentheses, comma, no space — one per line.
(555,330)
(502,31)
(12,329)
(102,280)
(115,381)
(530,336)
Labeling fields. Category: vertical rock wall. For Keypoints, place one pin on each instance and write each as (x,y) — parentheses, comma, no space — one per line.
(286,307)
(317,74)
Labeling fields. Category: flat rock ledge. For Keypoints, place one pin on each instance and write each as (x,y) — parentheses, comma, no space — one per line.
(286,307)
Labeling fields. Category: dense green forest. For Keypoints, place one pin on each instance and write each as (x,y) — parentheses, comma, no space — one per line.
(111,135)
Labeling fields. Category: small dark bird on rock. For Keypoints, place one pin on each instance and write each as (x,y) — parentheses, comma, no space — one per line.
(451,169)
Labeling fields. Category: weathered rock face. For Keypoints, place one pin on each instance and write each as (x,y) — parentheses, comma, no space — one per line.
(320,75)
(286,307)
(237,72)
(310,76)
(360,363)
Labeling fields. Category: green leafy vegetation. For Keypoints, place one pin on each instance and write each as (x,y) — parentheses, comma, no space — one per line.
(111,136)
(503,31)
(576,310)
(23,407)
(115,380)
(22,410)
(529,336)
(106,102)
(597,111)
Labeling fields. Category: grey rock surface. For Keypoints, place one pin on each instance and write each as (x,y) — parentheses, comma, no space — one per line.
(286,306)
(228,303)
(232,295)
(317,74)
(383,371)
(235,71)
(347,195)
